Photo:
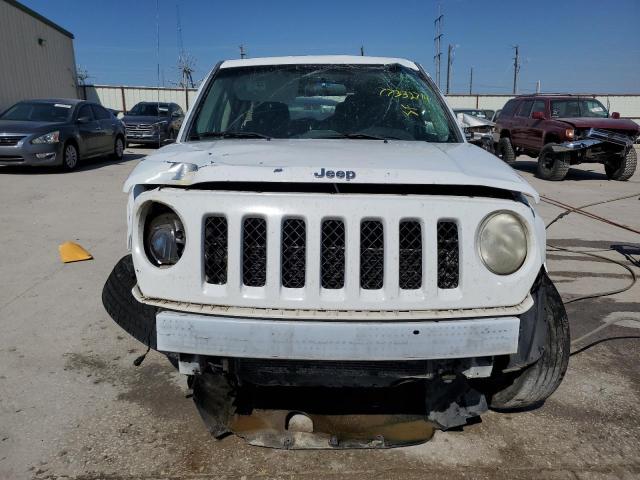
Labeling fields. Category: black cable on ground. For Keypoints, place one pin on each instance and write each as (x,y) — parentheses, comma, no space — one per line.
(568,209)
(602,340)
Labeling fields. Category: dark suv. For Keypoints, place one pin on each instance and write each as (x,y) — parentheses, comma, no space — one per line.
(153,123)
(565,130)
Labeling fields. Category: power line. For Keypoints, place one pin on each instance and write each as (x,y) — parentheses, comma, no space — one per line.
(516,69)
(436,43)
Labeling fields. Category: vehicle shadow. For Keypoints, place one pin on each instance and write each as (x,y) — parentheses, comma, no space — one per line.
(573,174)
(85,165)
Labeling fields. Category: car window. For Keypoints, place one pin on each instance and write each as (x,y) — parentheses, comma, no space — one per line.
(538,106)
(507,110)
(100,113)
(525,108)
(38,112)
(565,108)
(323,101)
(85,111)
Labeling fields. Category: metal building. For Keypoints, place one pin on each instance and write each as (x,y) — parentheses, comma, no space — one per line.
(36,56)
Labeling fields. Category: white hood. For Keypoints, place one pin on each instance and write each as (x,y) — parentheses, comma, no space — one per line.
(298,160)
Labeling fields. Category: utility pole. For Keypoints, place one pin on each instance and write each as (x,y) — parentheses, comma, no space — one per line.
(436,43)
(362,50)
(538,86)
(516,69)
(471,82)
(243,54)
(449,60)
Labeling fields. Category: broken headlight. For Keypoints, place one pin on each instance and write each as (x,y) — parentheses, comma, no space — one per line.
(164,237)
(502,243)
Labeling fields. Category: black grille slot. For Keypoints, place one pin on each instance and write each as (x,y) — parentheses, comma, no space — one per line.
(10,141)
(410,264)
(294,239)
(448,255)
(332,255)
(254,252)
(371,255)
(215,250)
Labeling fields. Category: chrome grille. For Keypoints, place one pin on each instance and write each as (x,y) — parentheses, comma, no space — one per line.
(139,128)
(410,258)
(448,255)
(10,140)
(371,255)
(332,254)
(254,252)
(215,250)
(293,252)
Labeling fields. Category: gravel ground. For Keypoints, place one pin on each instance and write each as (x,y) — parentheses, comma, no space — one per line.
(72,405)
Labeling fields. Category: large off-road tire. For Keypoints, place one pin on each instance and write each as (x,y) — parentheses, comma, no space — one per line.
(622,168)
(552,166)
(506,151)
(137,319)
(533,385)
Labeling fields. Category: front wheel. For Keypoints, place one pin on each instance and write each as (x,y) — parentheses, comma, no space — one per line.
(69,157)
(622,168)
(118,148)
(506,151)
(551,165)
(533,385)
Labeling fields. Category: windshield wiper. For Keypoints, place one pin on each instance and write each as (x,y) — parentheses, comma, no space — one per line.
(199,136)
(355,136)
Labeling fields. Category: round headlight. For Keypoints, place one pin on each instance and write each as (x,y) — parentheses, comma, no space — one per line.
(164,239)
(502,242)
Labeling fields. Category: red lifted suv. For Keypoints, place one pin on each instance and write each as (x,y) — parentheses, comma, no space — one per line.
(564,130)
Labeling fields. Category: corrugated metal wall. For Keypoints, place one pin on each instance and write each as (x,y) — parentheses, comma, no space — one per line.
(28,69)
(124,98)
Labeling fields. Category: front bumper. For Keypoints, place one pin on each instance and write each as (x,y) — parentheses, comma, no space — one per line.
(25,153)
(346,341)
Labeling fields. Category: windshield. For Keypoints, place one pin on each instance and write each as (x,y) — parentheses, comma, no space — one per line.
(579,107)
(323,101)
(38,112)
(149,110)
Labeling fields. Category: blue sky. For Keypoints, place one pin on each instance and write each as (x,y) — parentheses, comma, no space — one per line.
(579,46)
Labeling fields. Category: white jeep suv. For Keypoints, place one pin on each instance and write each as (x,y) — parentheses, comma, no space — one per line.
(321,222)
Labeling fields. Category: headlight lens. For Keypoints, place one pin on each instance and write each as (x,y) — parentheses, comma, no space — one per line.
(502,242)
(51,137)
(164,238)
(160,124)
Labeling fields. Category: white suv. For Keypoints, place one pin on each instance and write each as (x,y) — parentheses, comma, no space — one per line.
(321,221)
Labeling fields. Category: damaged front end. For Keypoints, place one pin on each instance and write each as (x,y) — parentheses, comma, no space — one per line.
(595,145)
(302,404)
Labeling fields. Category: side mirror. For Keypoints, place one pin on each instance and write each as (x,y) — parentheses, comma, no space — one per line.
(537,115)
(83,120)
(615,114)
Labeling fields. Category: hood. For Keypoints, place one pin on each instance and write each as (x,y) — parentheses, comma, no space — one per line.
(143,119)
(12,126)
(303,161)
(604,123)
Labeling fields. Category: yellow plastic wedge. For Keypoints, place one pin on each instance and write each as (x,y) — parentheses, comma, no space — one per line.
(72,252)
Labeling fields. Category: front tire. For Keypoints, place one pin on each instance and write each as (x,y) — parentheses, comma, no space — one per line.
(622,169)
(533,385)
(70,157)
(505,149)
(118,148)
(552,166)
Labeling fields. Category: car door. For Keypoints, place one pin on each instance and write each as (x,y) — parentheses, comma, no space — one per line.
(107,135)
(534,130)
(520,124)
(89,131)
